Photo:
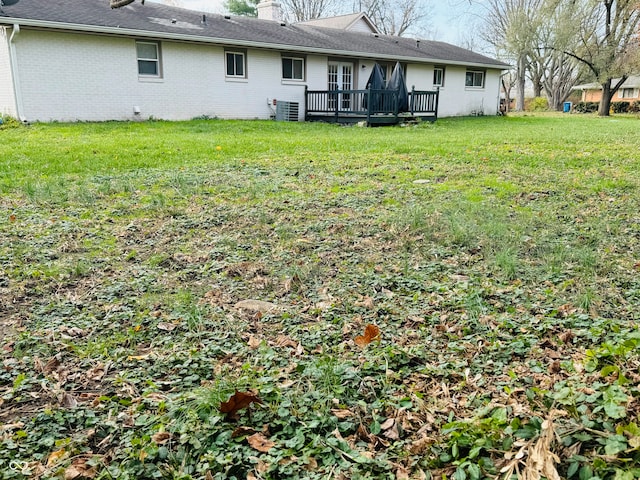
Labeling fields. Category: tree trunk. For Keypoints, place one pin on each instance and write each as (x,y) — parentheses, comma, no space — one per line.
(605,102)
(520,83)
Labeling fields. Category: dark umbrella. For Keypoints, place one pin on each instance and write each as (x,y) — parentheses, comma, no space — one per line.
(397,83)
(376,82)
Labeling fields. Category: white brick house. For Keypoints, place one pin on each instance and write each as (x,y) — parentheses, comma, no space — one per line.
(79,60)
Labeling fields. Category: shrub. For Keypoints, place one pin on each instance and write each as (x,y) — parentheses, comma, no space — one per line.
(538,104)
(634,107)
(620,107)
(8,122)
(587,107)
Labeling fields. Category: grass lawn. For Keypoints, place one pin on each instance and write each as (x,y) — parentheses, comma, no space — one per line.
(149,271)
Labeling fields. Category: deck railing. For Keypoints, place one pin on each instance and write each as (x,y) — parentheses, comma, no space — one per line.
(370,104)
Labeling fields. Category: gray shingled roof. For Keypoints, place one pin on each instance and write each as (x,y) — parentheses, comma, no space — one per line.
(342,22)
(632,82)
(164,22)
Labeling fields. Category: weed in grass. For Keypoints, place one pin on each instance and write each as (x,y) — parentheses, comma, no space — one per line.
(507,261)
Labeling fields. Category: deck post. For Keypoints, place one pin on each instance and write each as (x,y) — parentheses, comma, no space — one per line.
(435,117)
(306,102)
(413,98)
(368,106)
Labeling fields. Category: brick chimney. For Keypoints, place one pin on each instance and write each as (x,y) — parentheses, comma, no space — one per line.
(269,10)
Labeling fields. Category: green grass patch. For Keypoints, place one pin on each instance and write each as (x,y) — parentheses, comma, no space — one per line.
(498,256)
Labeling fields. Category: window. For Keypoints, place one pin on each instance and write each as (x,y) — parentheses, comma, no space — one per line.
(292,68)
(628,93)
(148,59)
(235,64)
(474,78)
(438,77)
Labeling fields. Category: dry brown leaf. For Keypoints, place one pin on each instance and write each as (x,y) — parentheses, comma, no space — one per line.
(258,306)
(167,326)
(254,342)
(98,372)
(11,426)
(366,302)
(284,341)
(401,473)
(420,446)
(68,401)
(259,442)
(80,470)
(387,424)
(52,364)
(238,401)
(56,456)
(312,464)
(371,333)
(392,433)
(208,476)
(342,413)
(160,437)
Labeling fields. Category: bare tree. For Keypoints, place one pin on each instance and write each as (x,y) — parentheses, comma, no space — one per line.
(507,82)
(301,10)
(396,17)
(606,41)
(511,27)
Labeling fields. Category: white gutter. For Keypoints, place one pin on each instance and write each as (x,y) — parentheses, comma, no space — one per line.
(242,43)
(13,60)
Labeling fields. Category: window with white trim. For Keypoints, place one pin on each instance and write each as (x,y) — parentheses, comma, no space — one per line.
(235,64)
(438,76)
(628,93)
(474,78)
(148,59)
(292,68)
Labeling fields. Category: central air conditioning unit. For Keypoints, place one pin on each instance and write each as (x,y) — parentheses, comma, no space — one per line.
(287,111)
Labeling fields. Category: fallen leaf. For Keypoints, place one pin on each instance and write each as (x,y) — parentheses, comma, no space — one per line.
(80,469)
(68,401)
(238,401)
(12,218)
(50,366)
(160,437)
(139,357)
(342,413)
(387,424)
(56,456)
(402,473)
(259,442)
(258,306)
(167,326)
(366,302)
(254,342)
(371,333)
(11,426)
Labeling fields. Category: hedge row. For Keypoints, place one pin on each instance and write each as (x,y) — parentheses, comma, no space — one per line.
(616,107)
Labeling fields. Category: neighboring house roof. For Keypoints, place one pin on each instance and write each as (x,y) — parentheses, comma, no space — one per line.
(343,22)
(163,22)
(632,82)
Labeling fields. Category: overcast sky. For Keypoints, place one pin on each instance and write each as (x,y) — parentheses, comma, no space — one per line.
(452,20)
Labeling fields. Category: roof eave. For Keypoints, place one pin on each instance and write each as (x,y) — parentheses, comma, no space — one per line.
(24,22)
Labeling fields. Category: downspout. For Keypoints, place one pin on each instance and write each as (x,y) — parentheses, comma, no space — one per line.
(14,72)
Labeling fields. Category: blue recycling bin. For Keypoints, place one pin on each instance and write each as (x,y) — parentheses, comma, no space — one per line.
(566,107)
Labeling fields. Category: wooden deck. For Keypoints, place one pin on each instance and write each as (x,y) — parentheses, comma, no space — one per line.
(375,107)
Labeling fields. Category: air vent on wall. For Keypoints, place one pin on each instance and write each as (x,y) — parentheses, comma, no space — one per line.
(287,111)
